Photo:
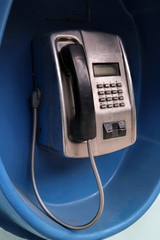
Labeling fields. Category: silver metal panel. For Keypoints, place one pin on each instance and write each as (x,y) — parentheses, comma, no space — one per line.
(99,48)
(131,94)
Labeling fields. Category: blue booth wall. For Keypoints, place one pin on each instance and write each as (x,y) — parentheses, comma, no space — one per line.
(130,177)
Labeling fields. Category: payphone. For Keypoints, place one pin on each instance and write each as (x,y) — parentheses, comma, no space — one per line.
(85,93)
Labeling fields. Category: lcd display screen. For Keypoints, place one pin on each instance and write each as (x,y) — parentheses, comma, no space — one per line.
(106,69)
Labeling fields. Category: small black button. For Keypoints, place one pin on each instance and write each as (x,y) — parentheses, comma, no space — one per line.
(114,98)
(113,85)
(107,92)
(119,84)
(108,98)
(109,106)
(102,99)
(121,98)
(106,85)
(103,106)
(99,85)
(115,105)
(101,93)
(122,104)
(120,91)
(113,91)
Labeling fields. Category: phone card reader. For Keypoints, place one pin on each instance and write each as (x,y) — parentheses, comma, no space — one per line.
(114,129)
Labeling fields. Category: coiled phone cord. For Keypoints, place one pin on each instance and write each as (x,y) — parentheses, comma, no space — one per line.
(35,105)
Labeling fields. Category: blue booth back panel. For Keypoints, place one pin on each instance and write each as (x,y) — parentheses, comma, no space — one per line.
(130,177)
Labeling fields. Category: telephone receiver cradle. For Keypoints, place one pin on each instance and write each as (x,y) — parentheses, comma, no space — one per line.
(87,93)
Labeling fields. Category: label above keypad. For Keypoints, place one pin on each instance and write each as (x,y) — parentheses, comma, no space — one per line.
(110,95)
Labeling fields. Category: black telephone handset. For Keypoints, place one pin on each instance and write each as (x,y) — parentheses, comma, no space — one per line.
(83,124)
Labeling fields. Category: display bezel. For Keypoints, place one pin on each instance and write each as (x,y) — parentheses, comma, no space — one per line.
(105,74)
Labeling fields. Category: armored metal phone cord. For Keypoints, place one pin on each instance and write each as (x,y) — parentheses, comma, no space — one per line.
(35,105)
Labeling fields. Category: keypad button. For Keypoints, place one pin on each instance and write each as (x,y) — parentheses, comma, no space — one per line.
(107,92)
(121,98)
(122,104)
(106,85)
(103,106)
(115,105)
(113,85)
(99,85)
(109,106)
(113,91)
(114,98)
(120,91)
(101,93)
(109,99)
(119,84)
(102,99)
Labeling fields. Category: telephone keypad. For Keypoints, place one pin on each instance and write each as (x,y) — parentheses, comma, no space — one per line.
(108,92)
(116,105)
(102,99)
(106,85)
(113,91)
(122,104)
(101,92)
(121,98)
(113,85)
(119,84)
(109,99)
(116,98)
(99,85)
(103,106)
(120,91)
(109,106)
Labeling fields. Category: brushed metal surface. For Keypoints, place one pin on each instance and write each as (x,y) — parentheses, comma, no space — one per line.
(99,48)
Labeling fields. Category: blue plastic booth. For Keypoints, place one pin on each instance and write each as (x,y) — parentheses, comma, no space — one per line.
(131,177)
